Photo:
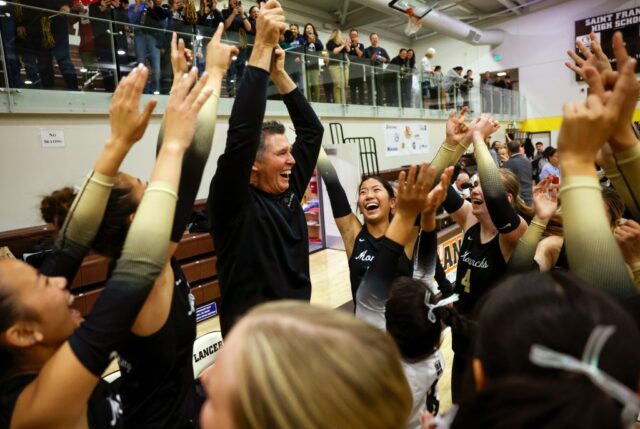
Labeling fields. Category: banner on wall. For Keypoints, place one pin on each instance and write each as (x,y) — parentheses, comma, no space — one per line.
(405,139)
(626,21)
(449,253)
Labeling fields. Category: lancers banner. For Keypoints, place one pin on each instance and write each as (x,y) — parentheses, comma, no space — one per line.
(405,139)
(449,253)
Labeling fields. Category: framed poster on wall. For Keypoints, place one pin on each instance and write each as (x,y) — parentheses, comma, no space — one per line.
(405,139)
(604,26)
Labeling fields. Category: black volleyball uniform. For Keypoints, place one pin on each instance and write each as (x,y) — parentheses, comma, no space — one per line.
(480,266)
(157,388)
(261,239)
(103,408)
(364,252)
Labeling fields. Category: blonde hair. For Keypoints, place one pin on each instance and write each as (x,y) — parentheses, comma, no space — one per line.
(303,366)
(336,36)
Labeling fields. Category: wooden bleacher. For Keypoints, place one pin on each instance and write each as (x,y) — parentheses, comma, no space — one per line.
(196,254)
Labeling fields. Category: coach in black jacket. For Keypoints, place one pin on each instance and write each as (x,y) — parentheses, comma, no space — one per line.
(257,222)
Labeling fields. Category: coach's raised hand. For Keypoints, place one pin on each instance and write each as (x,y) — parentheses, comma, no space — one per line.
(271,23)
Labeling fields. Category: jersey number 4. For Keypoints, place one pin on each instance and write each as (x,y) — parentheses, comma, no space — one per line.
(466,282)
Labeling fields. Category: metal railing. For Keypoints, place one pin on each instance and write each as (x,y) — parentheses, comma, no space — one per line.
(105,45)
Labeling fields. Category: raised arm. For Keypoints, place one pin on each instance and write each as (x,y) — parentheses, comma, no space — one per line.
(229,188)
(621,157)
(545,202)
(218,59)
(505,218)
(347,222)
(58,396)
(591,249)
(308,128)
(85,215)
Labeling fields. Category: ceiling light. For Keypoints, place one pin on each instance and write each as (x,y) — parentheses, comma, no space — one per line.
(501,74)
(121,52)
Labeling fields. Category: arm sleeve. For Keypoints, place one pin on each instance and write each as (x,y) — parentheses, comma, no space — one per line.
(445,157)
(142,260)
(374,291)
(453,201)
(80,227)
(229,187)
(523,256)
(309,132)
(592,251)
(503,216)
(625,178)
(425,256)
(193,165)
(445,286)
(337,196)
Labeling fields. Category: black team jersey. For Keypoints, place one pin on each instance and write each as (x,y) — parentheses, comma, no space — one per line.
(158,389)
(104,410)
(364,252)
(480,267)
(261,239)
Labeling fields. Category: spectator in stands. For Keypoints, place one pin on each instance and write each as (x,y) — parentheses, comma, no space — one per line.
(451,84)
(209,17)
(325,77)
(357,71)
(295,58)
(462,185)
(503,156)
(105,39)
(236,24)
(507,82)
(494,149)
(427,83)
(521,167)
(338,49)
(254,11)
(86,49)
(486,91)
(551,168)
(312,49)
(539,150)
(363,385)
(546,154)
(410,84)
(438,94)
(297,38)
(176,20)
(149,18)
(377,57)
(394,74)
(47,36)
(465,87)
(9,42)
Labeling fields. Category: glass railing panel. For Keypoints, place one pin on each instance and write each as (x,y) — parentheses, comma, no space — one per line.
(108,42)
(358,78)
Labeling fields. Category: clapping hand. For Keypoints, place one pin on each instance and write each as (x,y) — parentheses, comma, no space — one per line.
(545,198)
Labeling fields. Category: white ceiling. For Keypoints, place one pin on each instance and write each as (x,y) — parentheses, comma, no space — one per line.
(347,14)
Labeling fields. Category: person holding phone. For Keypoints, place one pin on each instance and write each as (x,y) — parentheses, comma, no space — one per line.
(237,25)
